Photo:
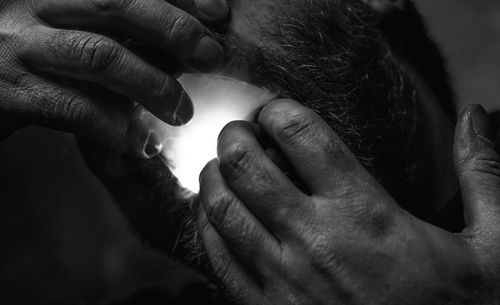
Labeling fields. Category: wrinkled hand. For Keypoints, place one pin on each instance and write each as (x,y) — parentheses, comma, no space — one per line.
(119,51)
(347,242)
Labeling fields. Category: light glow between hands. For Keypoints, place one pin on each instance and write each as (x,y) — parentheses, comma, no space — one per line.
(217,101)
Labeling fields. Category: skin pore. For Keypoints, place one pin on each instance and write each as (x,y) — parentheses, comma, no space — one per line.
(330,56)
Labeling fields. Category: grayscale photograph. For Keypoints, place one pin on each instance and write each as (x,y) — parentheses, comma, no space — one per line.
(249,152)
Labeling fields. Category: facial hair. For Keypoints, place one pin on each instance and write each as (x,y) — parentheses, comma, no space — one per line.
(333,59)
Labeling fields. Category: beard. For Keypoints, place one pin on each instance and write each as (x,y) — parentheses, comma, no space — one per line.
(331,57)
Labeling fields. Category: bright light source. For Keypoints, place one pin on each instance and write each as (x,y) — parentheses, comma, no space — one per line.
(217,101)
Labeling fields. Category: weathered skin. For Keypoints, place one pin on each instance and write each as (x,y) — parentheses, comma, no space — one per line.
(148,191)
(70,65)
(345,241)
(320,262)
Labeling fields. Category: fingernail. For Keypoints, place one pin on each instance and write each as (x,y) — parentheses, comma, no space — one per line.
(481,123)
(209,54)
(153,146)
(213,9)
(184,111)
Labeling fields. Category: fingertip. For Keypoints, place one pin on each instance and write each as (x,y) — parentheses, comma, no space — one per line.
(143,141)
(466,112)
(474,136)
(231,135)
(153,146)
(209,55)
(284,102)
(147,145)
(178,113)
(481,123)
(476,162)
(474,130)
(184,111)
(205,172)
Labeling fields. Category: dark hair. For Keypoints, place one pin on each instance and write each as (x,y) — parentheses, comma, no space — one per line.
(358,71)
(409,40)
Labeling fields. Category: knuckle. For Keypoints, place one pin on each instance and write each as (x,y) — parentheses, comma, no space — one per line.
(93,52)
(99,54)
(63,43)
(340,157)
(236,160)
(72,107)
(374,218)
(17,82)
(370,212)
(335,148)
(220,207)
(111,6)
(8,37)
(179,26)
(294,127)
(248,233)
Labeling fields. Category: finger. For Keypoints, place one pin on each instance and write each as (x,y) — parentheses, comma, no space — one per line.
(237,282)
(243,234)
(154,23)
(257,181)
(318,155)
(478,167)
(209,11)
(97,59)
(55,106)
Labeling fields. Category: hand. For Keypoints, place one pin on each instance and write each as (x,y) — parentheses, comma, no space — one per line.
(77,65)
(345,241)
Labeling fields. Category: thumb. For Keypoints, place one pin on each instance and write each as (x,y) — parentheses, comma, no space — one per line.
(478,168)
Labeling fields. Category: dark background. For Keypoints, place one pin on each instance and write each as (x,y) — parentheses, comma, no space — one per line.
(62,237)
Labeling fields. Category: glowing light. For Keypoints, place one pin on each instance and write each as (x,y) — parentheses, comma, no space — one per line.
(217,101)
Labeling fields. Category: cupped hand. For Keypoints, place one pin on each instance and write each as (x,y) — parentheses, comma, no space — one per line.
(93,67)
(344,240)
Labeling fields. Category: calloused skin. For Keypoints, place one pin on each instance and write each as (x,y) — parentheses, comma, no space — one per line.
(346,241)
(268,242)
(92,67)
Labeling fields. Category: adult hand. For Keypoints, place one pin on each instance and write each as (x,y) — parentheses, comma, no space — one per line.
(78,65)
(345,241)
